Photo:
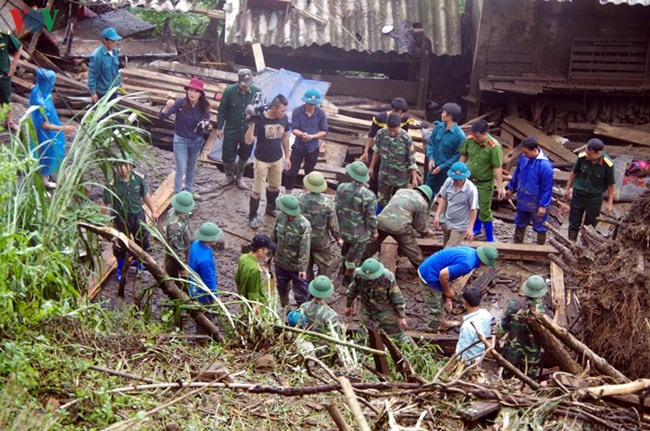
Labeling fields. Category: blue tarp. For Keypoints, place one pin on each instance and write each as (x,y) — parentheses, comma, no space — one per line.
(273,82)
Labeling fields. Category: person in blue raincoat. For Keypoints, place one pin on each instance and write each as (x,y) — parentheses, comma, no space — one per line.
(533,183)
(49,131)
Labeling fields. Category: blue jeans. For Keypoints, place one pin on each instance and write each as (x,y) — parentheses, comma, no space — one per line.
(186,152)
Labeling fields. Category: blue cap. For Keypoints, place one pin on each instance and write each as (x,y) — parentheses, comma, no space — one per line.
(111,34)
(312,97)
(296,319)
(459,171)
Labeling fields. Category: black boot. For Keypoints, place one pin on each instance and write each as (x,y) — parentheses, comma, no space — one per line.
(541,238)
(270,203)
(253,206)
(520,233)
(573,235)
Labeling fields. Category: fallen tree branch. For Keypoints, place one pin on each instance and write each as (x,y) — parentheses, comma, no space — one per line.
(609,390)
(353,403)
(170,288)
(581,349)
(122,374)
(337,417)
(401,362)
(330,339)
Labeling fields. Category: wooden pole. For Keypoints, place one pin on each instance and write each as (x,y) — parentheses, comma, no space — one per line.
(353,403)
(581,349)
(169,287)
(337,417)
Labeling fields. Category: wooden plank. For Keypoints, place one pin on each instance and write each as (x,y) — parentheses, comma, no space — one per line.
(507,251)
(388,255)
(335,154)
(258,56)
(558,295)
(552,147)
(623,133)
(202,72)
(161,199)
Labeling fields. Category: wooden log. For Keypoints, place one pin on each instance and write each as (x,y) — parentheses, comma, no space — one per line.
(162,278)
(558,235)
(567,254)
(581,349)
(559,262)
(337,417)
(551,345)
(401,362)
(353,403)
(597,392)
(558,295)
(375,341)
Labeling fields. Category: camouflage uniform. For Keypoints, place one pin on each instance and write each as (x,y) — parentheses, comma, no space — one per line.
(406,213)
(292,238)
(521,349)
(382,303)
(321,214)
(356,206)
(179,238)
(397,159)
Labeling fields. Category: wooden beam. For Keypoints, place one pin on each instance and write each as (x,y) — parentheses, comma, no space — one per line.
(203,72)
(554,149)
(627,134)
(507,251)
(258,56)
(558,295)
(388,255)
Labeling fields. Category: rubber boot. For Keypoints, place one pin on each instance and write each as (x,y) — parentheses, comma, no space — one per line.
(478,226)
(253,206)
(347,278)
(120,267)
(379,208)
(270,203)
(541,238)
(573,235)
(229,170)
(284,299)
(239,173)
(489,231)
(520,233)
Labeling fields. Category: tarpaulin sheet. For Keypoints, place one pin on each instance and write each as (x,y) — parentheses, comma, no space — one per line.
(273,82)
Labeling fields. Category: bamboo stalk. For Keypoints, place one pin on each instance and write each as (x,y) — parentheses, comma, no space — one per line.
(330,339)
(609,390)
(337,417)
(353,403)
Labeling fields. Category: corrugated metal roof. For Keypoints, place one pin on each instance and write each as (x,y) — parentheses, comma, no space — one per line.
(629,2)
(157,5)
(360,25)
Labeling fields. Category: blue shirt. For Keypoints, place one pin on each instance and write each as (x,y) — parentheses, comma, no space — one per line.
(201,261)
(482,319)
(444,144)
(310,125)
(459,260)
(533,182)
(187,118)
(103,71)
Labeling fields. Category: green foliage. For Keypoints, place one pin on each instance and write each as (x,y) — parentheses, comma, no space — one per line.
(180,24)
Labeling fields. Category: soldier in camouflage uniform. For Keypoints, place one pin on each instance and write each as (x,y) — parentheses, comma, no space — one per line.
(406,213)
(291,234)
(356,206)
(178,232)
(318,315)
(521,349)
(321,214)
(393,149)
(382,304)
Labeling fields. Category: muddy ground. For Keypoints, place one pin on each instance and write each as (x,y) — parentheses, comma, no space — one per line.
(229,209)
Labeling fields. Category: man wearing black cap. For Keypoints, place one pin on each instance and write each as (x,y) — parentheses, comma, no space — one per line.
(231,126)
(252,270)
(442,148)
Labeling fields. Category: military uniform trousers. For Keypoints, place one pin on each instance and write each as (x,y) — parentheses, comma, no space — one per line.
(234,147)
(352,253)
(485,193)
(132,226)
(584,205)
(433,298)
(407,246)
(526,358)
(323,260)
(300,287)
(385,190)
(386,320)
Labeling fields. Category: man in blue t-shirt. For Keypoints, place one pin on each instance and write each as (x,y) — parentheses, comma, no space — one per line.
(201,261)
(271,133)
(439,270)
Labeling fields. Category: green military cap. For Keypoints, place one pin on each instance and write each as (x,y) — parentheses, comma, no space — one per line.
(208,232)
(183,202)
(488,255)
(371,269)
(315,182)
(535,287)
(321,287)
(358,171)
(289,205)
(426,191)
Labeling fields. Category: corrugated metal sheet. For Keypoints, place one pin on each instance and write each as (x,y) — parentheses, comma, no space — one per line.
(629,2)
(348,24)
